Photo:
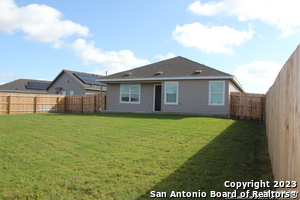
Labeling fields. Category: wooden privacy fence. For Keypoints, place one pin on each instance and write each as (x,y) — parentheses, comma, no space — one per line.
(283,121)
(13,103)
(247,106)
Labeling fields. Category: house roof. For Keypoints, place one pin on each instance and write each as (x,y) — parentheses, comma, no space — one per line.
(174,67)
(25,86)
(87,80)
(178,68)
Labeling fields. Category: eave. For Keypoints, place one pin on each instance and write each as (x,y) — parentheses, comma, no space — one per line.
(122,80)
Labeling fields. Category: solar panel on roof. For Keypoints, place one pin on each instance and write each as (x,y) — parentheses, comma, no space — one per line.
(88,78)
(36,85)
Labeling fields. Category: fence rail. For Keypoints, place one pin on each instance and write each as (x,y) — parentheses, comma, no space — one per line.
(13,103)
(247,106)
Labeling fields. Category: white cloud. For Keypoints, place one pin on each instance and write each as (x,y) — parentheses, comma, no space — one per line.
(110,61)
(257,76)
(284,15)
(45,24)
(38,22)
(207,9)
(215,39)
(167,56)
(8,75)
(43,79)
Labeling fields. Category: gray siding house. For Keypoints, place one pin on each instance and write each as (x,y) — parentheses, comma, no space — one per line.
(75,83)
(176,85)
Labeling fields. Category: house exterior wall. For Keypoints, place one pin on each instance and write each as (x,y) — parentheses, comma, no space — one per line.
(146,99)
(193,97)
(68,84)
(233,88)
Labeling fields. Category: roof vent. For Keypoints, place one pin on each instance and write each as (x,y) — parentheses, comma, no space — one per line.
(127,74)
(198,71)
(159,73)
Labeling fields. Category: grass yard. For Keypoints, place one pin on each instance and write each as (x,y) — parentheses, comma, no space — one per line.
(125,156)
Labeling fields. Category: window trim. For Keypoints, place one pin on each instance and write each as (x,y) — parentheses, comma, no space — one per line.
(165,93)
(210,93)
(130,94)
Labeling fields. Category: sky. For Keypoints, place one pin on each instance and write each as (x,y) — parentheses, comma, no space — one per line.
(250,39)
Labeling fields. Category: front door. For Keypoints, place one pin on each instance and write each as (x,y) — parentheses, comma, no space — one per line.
(157,97)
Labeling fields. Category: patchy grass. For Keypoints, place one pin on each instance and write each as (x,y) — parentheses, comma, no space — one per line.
(125,156)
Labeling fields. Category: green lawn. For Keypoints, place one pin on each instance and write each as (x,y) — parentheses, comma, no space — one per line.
(125,156)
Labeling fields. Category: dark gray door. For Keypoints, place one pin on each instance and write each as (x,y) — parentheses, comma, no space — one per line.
(157,98)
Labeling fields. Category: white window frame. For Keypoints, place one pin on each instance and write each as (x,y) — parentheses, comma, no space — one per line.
(165,93)
(72,92)
(210,93)
(130,94)
(63,92)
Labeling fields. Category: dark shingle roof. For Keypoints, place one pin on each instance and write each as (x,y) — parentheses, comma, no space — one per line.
(174,67)
(177,68)
(26,85)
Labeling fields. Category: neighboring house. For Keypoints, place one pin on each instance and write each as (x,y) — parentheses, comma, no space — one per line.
(25,86)
(75,83)
(176,85)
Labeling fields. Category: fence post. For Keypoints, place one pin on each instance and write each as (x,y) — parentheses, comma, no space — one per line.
(231,106)
(9,104)
(104,102)
(57,104)
(35,104)
(95,103)
(82,100)
(66,103)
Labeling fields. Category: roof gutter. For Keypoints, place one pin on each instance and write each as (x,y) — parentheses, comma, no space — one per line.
(237,83)
(94,89)
(22,91)
(167,78)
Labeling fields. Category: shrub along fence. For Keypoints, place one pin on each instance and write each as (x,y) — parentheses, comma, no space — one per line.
(283,121)
(247,106)
(14,103)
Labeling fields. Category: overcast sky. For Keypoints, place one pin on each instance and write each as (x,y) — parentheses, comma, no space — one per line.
(250,39)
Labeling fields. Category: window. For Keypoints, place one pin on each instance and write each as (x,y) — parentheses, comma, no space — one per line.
(216,93)
(130,94)
(63,93)
(71,92)
(171,92)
